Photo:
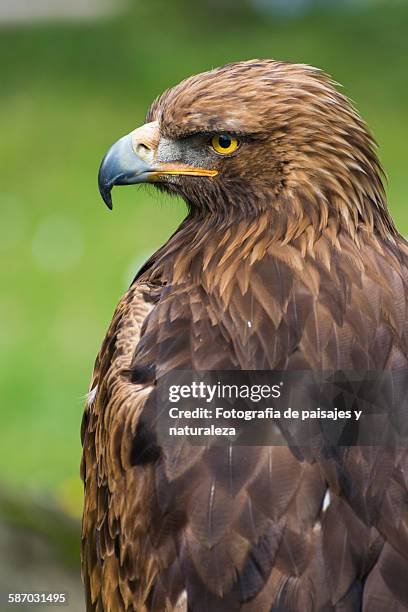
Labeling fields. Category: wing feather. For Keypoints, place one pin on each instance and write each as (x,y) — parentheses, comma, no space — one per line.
(245,528)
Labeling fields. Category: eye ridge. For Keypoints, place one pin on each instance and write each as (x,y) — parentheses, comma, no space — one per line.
(224,143)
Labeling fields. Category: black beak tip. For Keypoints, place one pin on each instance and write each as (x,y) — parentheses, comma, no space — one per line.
(105,188)
(106,194)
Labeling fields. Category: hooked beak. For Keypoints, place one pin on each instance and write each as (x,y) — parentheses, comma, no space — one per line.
(131,160)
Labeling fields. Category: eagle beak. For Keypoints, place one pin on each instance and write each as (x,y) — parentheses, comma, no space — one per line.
(131,160)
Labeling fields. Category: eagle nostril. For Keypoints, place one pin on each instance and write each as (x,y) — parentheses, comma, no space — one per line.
(142,148)
(144,151)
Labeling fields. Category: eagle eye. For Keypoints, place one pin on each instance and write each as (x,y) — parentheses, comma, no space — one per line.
(224,144)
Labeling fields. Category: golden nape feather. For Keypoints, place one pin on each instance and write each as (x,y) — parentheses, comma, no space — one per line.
(288,260)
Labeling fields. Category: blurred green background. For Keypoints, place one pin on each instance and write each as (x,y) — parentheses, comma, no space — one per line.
(69,88)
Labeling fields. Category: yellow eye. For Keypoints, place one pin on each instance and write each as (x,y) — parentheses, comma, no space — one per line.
(224,144)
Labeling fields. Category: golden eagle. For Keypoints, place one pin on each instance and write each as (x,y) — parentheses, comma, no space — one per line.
(287,260)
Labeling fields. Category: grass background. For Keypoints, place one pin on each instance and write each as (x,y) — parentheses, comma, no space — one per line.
(67,92)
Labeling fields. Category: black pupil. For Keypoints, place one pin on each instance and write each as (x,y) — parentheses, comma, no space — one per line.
(224,142)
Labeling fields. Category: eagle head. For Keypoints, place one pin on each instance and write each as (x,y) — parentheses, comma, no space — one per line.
(253,136)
